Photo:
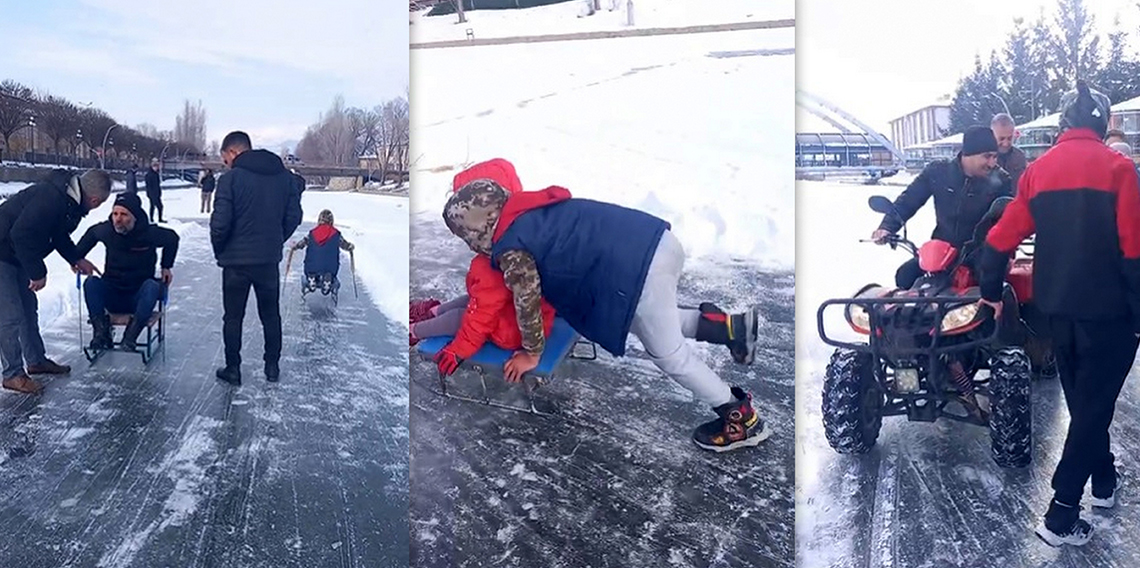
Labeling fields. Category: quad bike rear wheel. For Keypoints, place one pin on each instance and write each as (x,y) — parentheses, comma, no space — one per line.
(852,403)
(1011,427)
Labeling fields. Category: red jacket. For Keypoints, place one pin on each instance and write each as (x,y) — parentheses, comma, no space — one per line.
(1082,200)
(490,313)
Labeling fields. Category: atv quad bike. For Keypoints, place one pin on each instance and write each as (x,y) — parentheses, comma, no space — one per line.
(925,347)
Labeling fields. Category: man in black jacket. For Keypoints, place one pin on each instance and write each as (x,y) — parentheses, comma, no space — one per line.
(963,190)
(154,190)
(128,285)
(257,206)
(33,223)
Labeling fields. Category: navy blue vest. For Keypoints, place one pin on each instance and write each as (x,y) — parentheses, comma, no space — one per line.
(592,259)
(323,259)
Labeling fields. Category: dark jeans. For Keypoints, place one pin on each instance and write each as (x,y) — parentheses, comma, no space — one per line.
(155,200)
(1093,358)
(236,282)
(102,298)
(20,339)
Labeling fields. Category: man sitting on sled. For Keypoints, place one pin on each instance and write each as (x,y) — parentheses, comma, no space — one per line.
(322,259)
(128,284)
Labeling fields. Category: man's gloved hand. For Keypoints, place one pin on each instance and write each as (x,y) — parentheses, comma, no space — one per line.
(447,361)
(167,276)
(880,236)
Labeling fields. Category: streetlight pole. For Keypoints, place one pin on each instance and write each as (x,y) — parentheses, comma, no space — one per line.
(1002,101)
(103,154)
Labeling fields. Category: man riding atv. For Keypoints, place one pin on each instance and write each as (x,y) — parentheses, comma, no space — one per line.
(963,190)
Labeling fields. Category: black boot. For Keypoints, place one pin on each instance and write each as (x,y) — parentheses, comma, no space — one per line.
(739,332)
(231,375)
(738,426)
(101,339)
(272,371)
(131,335)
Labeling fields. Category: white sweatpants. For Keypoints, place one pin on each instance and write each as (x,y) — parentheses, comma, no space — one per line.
(662,327)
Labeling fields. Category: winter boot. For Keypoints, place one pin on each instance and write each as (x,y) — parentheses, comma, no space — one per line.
(131,335)
(272,371)
(1063,525)
(738,426)
(101,339)
(421,310)
(231,375)
(48,367)
(739,332)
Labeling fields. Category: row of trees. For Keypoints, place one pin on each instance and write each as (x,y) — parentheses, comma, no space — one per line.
(59,126)
(1041,61)
(343,135)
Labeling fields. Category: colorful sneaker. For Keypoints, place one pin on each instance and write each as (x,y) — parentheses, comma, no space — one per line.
(738,426)
(739,332)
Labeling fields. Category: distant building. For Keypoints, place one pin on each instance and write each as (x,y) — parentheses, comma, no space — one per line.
(920,126)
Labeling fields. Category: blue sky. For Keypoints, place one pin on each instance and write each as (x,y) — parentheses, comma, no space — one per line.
(267,67)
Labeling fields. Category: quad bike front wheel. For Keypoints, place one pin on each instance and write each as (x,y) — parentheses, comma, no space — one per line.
(1011,426)
(852,403)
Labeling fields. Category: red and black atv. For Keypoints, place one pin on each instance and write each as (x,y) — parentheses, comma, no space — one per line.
(926,345)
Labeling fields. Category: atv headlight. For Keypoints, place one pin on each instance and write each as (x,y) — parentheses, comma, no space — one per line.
(959,317)
(859,319)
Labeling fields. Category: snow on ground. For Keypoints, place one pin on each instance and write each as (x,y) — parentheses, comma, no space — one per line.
(670,126)
(569,17)
(927,494)
(377,225)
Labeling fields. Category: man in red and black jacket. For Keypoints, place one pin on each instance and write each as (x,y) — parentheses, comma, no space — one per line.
(1082,200)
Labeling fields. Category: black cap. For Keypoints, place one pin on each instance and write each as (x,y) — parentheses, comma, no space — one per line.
(978,140)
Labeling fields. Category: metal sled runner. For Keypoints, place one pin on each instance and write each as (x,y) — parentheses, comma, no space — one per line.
(560,345)
(155,332)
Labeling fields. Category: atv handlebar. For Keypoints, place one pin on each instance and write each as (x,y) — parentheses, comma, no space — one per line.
(894,241)
(933,350)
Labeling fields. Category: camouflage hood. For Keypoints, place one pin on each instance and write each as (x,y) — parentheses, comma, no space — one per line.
(473,212)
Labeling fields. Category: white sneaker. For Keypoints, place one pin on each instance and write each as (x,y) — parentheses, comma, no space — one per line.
(1077,535)
(1107,502)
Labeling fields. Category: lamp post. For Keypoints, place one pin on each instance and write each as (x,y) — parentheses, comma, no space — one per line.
(102,155)
(32,124)
(1002,101)
(78,141)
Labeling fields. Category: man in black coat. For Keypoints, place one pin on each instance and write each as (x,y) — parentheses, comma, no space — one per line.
(33,223)
(128,285)
(154,190)
(257,207)
(963,190)
(133,179)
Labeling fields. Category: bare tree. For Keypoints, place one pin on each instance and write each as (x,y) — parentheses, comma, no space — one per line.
(15,109)
(57,119)
(334,136)
(147,129)
(190,125)
(213,149)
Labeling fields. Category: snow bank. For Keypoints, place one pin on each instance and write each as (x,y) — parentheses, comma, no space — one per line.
(568,17)
(669,127)
(378,225)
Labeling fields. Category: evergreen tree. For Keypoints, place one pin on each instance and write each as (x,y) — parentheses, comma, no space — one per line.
(1076,46)
(1051,83)
(1022,87)
(1117,78)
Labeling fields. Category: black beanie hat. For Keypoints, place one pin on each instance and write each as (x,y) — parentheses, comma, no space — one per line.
(131,202)
(978,140)
(1085,108)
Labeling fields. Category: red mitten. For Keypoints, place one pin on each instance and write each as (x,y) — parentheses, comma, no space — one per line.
(447,361)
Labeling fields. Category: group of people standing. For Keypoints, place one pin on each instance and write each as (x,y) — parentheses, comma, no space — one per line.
(256,209)
(1081,199)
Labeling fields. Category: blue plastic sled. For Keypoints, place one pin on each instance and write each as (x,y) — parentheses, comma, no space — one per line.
(490,359)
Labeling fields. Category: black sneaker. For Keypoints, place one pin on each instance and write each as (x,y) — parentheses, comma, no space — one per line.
(739,332)
(1078,534)
(1109,501)
(1063,525)
(738,426)
(231,375)
(272,372)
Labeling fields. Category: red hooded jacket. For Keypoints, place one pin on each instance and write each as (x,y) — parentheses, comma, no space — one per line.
(490,311)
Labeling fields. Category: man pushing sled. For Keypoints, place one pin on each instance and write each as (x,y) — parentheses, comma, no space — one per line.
(608,271)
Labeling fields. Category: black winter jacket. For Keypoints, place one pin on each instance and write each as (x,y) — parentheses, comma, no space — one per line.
(38,220)
(153,182)
(960,202)
(257,207)
(131,257)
